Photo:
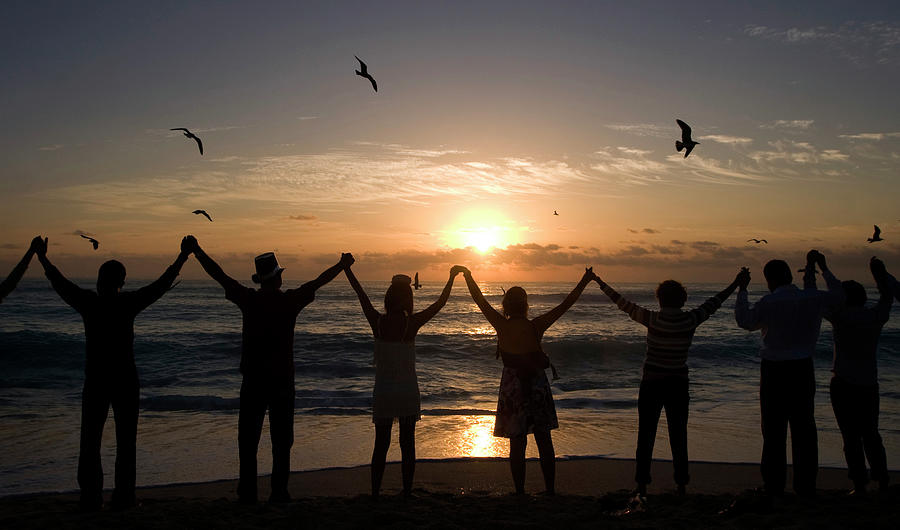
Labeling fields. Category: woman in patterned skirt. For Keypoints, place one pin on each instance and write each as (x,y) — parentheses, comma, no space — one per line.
(525,404)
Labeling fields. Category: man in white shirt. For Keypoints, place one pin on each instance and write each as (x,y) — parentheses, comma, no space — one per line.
(789,319)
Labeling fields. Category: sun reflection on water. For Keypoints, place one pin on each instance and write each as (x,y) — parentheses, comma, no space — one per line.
(477,438)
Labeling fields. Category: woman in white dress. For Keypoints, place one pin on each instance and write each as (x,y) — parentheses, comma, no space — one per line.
(396,393)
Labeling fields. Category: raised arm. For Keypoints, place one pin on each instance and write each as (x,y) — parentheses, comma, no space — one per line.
(636,312)
(328,274)
(547,319)
(368,310)
(148,294)
(422,317)
(212,268)
(7,285)
(68,291)
(885,284)
(746,317)
(492,315)
(710,306)
(834,298)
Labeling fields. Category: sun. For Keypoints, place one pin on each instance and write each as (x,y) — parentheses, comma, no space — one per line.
(481,230)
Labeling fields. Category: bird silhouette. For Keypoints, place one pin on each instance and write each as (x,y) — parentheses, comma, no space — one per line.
(502,290)
(364,72)
(92,240)
(189,134)
(757,240)
(203,213)
(416,284)
(554,212)
(876,236)
(686,143)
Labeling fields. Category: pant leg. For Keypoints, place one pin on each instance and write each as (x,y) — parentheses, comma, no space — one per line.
(94,409)
(126,405)
(773,419)
(649,407)
(804,436)
(871,439)
(281,430)
(252,412)
(677,400)
(846,415)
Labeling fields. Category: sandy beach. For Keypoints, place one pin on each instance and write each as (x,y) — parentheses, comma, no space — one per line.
(470,493)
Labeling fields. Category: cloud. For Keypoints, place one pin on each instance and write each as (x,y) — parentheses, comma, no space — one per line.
(723,139)
(861,43)
(871,136)
(644,231)
(788,124)
(302,217)
(307,118)
(79,233)
(642,129)
(11,246)
(54,147)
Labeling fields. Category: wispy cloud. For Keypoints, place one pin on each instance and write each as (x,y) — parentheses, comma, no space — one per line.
(79,233)
(862,43)
(54,147)
(788,124)
(644,231)
(307,118)
(871,136)
(724,139)
(302,217)
(642,129)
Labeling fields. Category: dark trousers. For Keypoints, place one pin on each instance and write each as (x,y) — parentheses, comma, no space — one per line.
(256,397)
(123,393)
(787,392)
(856,410)
(671,394)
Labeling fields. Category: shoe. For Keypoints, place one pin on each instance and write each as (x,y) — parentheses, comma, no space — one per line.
(280,497)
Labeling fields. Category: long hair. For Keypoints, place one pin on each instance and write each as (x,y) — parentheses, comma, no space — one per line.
(515,302)
(399,296)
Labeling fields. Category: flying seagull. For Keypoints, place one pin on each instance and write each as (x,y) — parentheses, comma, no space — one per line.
(416,284)
(189,134)
(554,212)
(502,290)
(757,240)
(364,72)
(203,213)
(686,143)
(92,240)
(876,236)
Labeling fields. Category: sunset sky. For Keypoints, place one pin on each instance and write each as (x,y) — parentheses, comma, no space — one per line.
(489,117)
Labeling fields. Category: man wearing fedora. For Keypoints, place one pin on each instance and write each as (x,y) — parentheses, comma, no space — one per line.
(267,363)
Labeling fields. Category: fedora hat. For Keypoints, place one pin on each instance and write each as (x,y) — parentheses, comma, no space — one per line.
(266,267)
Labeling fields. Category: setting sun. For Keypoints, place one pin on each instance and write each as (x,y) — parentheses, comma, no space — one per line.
(482,230)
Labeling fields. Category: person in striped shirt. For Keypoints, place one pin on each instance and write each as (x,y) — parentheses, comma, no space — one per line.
(664,384)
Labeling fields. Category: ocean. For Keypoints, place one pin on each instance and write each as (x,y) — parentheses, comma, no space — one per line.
(187,349)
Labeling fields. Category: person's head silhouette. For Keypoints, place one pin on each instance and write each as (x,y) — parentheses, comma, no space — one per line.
(110,278)
(268,273)
(777,274)
(855,293)
(399,296)
(515,303)
(671,294)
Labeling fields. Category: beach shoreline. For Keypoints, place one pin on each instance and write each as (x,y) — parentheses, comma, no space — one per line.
(457,492)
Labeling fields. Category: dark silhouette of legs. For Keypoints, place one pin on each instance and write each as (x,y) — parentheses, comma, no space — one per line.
(650,405)
(871,439)
(856,409)
(250,421)
(125,405)
(379,454)
(408,452)
(677,402)
(94,410)
(281,431)
(804,437)
(774,419)
(548,459)
(517,445)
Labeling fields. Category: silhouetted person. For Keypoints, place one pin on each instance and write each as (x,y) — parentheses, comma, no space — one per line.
(664,383)
(789,319)
(525,404)
(7,285)
(110,375)
(396,393)
(267,363)
(854,386)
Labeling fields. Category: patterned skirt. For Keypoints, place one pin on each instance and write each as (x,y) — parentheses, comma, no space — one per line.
(524,405)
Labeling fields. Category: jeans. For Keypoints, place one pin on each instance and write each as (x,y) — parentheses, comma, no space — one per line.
(672,394)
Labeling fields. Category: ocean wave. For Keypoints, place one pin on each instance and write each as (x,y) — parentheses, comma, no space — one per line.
(196,403)
(595,403)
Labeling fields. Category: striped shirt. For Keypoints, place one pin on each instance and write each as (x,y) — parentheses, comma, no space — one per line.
(669,332)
